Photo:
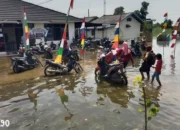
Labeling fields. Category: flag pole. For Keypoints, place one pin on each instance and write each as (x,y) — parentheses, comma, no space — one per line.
(61,47)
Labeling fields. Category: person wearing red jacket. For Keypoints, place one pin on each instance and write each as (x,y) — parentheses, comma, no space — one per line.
(157,68)
(127,56)
(123,55)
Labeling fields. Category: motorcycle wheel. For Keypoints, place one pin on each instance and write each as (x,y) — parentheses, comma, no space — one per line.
(76,57)
(123,79)
(15,68)
(47,73)
(97,72)
(78,68)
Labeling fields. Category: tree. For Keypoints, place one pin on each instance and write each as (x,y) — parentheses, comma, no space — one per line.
(142,13)
(119,10)
(138,13)
(144,9)
(169,24)
(156,25)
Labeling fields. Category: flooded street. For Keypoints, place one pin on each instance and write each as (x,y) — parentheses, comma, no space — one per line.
(31,101)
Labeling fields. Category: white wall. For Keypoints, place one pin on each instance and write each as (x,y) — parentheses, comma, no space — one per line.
(39,25)
(98,34)
(125,33)
(71,27)
(133,31)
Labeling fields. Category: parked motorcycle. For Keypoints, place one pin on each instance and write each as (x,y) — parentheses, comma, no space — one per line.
(53,46)
(20,64)
(135,50)
(21,50)
(76,43)
(117,76)
(52,68)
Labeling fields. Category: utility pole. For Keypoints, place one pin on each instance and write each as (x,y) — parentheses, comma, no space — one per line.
(104,18)
(88,13)
(104,7)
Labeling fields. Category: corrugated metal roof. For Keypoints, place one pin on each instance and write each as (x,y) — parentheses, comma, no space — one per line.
(11,10)
(90,19)
(112,19)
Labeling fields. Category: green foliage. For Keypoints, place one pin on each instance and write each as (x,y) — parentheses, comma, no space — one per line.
(158,30)
(153,111)
(140,110)
(143,12)
(148,103)
(119,10)
(144,9)
(150,107)
(147,27)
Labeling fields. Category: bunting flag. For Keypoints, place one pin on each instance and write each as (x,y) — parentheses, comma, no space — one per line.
(165,22)
(117,32)
(174,36)
(116,39)
(72,4)
(26,29)
(83,36)
(60,50)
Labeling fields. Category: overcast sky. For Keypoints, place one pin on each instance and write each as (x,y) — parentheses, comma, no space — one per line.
(157,8)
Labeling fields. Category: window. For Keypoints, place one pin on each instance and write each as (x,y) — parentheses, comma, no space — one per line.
(128,26)
(30,25)
(93,32)
(55,31)
(129,19)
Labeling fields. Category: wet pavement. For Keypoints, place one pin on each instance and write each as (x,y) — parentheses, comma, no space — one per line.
(79,102)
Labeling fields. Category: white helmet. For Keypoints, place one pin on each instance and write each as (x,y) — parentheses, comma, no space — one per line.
(45,46)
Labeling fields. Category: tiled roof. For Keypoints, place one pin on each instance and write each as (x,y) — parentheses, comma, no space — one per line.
(90,19)
(11,10)
(112,19)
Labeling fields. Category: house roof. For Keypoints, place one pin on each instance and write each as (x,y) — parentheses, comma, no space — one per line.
(11,10)
(112,19)
(90,19)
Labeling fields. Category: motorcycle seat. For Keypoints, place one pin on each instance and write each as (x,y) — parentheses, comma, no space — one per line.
(19,58)
(50,62)
(111,65)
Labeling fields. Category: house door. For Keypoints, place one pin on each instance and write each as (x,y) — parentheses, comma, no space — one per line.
(19,34)
(2,43)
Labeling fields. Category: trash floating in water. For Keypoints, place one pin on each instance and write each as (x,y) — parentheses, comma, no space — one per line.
(37,78)
(53,80)
(116,111)
(85,119)
(95,105)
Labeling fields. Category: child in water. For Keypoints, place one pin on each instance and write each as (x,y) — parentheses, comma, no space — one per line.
(157,68)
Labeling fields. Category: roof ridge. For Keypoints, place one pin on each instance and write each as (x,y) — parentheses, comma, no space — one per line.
(116,14)
(47,8)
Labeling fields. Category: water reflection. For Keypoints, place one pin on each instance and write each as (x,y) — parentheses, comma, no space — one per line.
(32,94)
(116,95)
(172,66)
(64,98)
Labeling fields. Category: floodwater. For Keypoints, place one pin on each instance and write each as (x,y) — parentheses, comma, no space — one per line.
(79,102)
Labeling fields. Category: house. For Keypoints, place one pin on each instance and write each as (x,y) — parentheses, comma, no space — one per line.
(130,27)
(11,19)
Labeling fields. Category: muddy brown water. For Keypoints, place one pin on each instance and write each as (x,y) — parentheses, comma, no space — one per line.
(78,102)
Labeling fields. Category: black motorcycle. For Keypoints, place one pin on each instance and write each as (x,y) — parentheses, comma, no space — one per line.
(53,46)
(20,64)
(75,54)
(52,68)
(117,76)
(135,50)
(76,43)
